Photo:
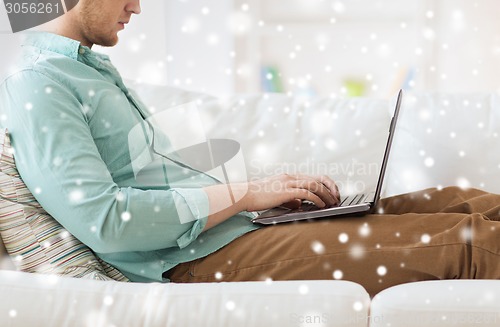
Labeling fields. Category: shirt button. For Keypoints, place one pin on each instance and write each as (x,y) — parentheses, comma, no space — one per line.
(82,50)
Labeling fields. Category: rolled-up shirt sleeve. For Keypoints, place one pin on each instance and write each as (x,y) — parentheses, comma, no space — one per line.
(192,206)
(60,163)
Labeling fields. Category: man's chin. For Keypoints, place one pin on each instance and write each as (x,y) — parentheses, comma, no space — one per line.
(107,42)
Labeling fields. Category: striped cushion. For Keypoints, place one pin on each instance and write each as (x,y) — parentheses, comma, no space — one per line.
(35,241)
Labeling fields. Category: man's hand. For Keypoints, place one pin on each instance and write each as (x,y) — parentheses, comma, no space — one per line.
(289,189)
(262,194)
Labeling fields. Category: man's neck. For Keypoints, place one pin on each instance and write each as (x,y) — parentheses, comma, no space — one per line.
(65,26)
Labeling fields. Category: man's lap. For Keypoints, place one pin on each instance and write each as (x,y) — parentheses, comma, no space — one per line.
(423,235)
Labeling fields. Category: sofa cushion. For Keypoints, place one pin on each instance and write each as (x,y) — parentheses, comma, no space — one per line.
(35,241)
(80,303)
(457,303)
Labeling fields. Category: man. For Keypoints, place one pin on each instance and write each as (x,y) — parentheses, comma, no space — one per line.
(69,115)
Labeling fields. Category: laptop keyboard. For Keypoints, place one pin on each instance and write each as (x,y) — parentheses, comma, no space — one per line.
(309,206)
(347,201)
(353,199)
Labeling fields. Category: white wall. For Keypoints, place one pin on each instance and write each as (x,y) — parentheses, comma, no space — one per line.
(200,44)
(185,43)
(466,56)
(454,44)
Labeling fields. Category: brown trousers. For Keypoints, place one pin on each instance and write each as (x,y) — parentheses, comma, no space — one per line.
(427,235)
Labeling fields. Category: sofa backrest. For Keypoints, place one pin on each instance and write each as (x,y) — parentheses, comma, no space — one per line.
(343,138)
(447,139)
(442,139)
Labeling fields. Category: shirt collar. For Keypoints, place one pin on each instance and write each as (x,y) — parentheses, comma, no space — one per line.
(61,45)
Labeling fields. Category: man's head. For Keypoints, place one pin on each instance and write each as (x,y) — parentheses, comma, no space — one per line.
(96,21)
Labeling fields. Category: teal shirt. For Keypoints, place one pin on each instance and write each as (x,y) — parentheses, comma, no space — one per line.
(69,115)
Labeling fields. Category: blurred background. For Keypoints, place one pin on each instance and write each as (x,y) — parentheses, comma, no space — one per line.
(337,48)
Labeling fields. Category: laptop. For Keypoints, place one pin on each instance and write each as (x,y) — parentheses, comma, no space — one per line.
(357,204)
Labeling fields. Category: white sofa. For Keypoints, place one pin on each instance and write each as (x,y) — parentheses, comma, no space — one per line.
(441,140)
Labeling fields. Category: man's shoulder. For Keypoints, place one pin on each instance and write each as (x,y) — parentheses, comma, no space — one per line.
(34,64)
(25,74)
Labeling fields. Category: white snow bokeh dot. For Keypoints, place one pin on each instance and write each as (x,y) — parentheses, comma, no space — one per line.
(364,230)
(318,247)
(126,216)
(230,305)
(120,196)
(463,183)
(303,289)
(429,162)
(381,270)
(357,306)
(343,238)
(57,161)
(357,251)
(466,234)
(76,196)
(425,238)
(108,300)
(338,274)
